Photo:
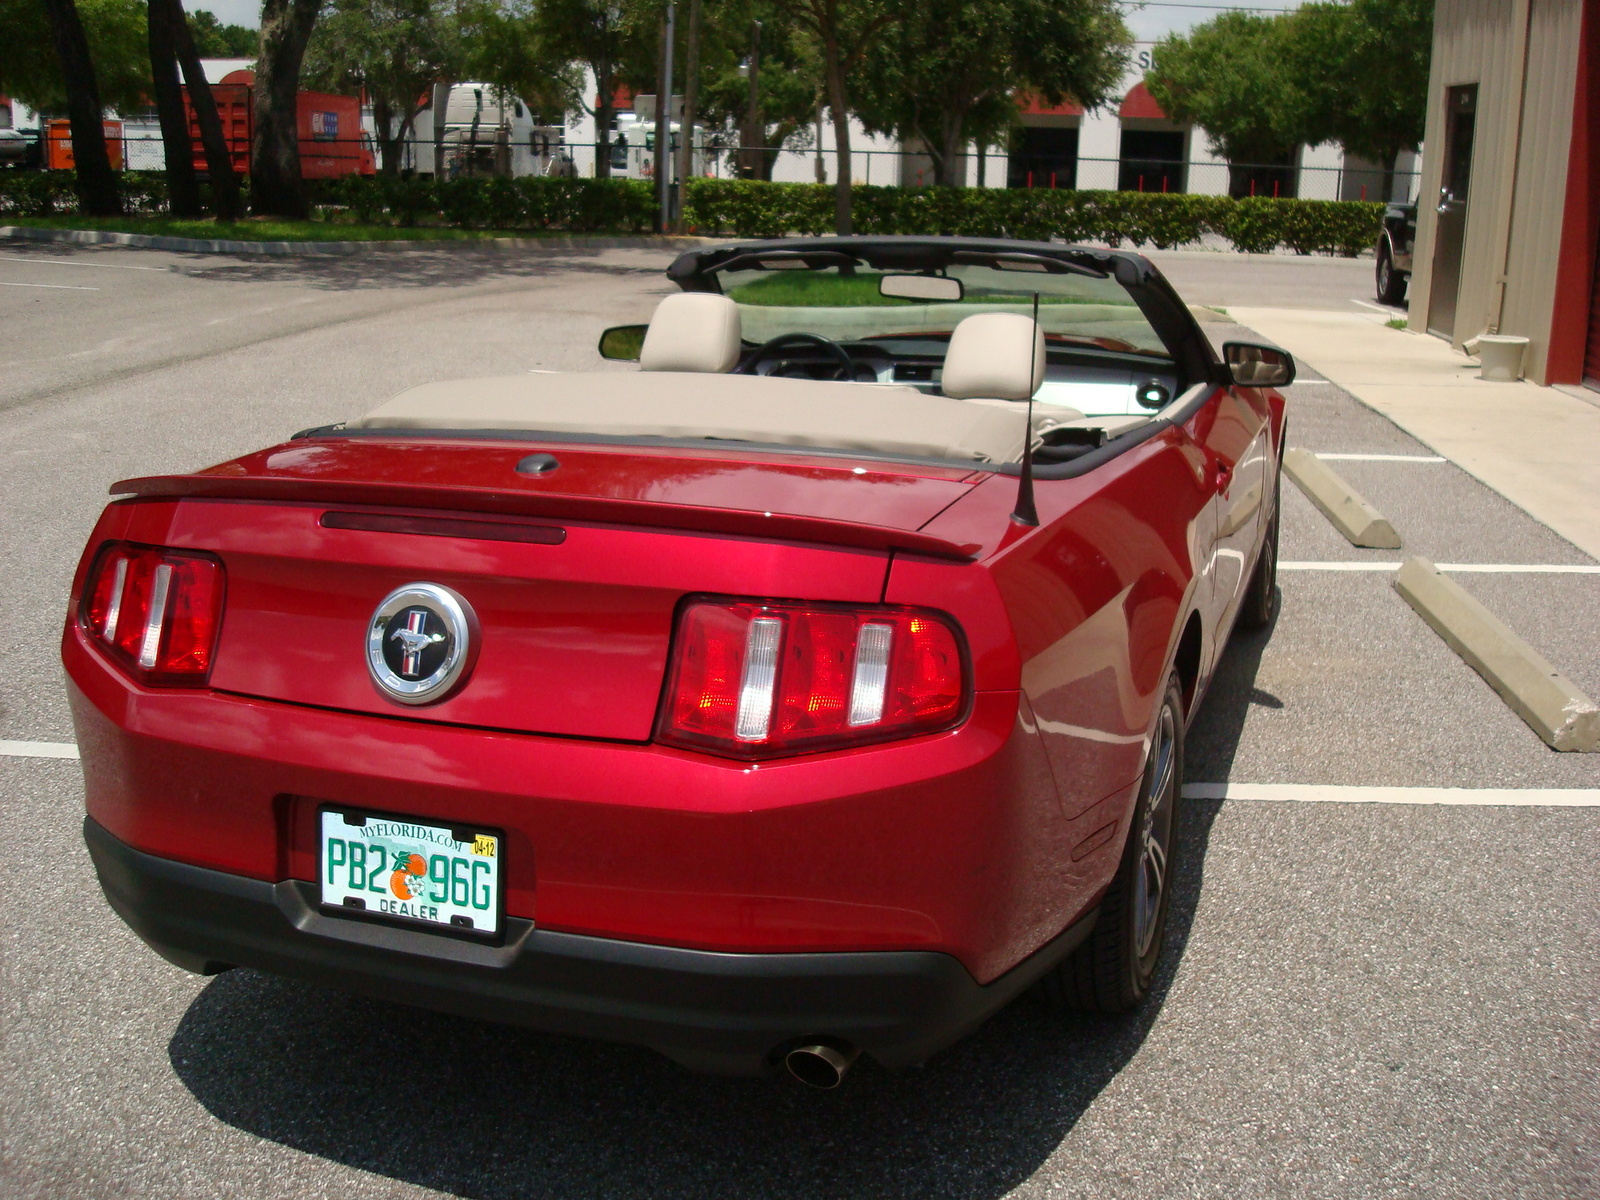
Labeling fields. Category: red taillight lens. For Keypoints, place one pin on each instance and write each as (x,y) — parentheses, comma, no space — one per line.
(757,680)
(156,612)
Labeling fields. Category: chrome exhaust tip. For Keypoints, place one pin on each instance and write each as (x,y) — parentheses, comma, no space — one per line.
(820,1065)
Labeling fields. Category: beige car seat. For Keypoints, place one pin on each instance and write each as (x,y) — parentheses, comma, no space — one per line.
(994,356)
(692,331)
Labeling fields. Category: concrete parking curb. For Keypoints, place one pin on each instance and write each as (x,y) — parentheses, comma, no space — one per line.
(1351,515)
(148,241)
(1549,702)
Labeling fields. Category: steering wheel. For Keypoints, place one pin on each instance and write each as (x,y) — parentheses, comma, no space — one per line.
(847,366)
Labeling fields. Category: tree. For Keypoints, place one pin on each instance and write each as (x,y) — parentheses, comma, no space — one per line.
(953,68)
(846,31)
(219,157)
(754,52)
(598,34)
(96,185)
(396,50)
(1228,76)
(276,187)
(1360,73)
(213,39)
(183,187)
(118,51)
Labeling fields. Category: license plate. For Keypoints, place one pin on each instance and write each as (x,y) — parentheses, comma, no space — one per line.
(447,877)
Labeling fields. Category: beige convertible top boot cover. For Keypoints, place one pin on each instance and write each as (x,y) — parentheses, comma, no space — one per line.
(884,419)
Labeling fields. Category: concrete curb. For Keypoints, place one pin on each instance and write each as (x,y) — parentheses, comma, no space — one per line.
(1351,515)
(1549,702)
(148,241)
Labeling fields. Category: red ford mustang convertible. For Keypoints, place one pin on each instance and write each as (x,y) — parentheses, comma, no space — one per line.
(811,690)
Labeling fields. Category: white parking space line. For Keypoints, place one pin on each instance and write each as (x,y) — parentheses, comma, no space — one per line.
(1405,458)
(64,262)
(1466,568)
(1324,793)
(38,750)
(55,287)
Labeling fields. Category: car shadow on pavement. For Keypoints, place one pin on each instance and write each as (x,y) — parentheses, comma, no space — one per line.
(488,1111)
(419,268)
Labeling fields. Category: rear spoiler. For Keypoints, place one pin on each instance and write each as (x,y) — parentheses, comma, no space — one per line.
(457,500)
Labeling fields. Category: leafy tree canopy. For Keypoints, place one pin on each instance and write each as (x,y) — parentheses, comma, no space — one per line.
(1228,76)
(118,46)
(1361,74)
(1354,73)
(951,69)
(213,39)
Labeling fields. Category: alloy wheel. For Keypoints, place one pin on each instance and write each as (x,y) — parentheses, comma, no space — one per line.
(1155,835)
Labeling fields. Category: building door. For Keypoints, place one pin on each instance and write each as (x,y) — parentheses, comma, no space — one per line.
(1449,230)
(1045,157)
(1152,160)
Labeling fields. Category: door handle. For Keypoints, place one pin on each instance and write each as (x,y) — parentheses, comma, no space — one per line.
(1224,476)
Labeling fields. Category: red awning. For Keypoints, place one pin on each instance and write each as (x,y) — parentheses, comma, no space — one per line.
(1139,103)
(1034,106)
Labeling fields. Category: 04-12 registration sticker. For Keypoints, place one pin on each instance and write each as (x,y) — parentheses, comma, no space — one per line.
(411,871)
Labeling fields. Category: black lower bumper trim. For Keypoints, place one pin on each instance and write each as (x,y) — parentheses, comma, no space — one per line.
(709,1010)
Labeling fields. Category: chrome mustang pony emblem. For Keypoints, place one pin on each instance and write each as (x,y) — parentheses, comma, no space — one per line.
(420,643)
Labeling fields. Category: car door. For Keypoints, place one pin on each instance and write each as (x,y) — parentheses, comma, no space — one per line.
(1232,430)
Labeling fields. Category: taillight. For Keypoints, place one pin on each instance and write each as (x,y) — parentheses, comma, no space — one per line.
(757,680)
(155,611)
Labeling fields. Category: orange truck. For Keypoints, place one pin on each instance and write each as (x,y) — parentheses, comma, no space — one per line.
(331,139)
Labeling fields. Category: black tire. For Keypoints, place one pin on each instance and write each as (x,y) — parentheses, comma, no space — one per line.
(1391,283)
(1112,971)
(1260,602)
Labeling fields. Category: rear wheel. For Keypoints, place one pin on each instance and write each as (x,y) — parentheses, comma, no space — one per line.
(1391,283)
(1112,971)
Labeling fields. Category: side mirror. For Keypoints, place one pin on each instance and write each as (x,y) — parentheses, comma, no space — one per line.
(1251,365)
(622,343)
(920,287)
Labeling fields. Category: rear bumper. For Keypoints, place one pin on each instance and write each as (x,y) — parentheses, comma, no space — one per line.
(709,1010)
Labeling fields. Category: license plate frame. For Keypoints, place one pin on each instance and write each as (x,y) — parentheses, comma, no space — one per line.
(464,842)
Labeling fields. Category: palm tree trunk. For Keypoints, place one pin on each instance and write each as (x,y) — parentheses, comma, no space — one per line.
(276,187)
(691,97)
(96,184)
(219,160)
(183,189)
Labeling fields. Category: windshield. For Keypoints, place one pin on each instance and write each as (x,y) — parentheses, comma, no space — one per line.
(845,304)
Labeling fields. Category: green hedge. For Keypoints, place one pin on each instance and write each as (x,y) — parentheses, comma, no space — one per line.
(749,209)
(1163,220)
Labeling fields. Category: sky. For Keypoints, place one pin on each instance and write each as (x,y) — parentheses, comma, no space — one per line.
(1149,21)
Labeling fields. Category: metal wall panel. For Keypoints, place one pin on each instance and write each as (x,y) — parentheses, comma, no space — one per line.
(1519,168)
(1541,186)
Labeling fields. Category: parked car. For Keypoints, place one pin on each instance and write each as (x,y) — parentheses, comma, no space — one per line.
(812,690)
(1394,250)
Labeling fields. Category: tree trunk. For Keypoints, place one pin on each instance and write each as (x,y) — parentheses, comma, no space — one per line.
(276,187)
(691,97)
(754,132)
(661,163)
(1391,163)
(183,189)
(95,183)
(390,144)
(605,112)
(219,156)
(945,169)
(840,109)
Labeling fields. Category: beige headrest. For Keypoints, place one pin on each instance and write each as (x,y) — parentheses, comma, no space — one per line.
(692,331)
(989,357)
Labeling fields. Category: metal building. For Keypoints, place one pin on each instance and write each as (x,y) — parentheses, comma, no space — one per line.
(1510,201)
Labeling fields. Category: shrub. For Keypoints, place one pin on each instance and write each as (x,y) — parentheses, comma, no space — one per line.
(750,209)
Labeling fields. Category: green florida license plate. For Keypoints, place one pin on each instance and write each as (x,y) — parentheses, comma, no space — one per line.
(411,871)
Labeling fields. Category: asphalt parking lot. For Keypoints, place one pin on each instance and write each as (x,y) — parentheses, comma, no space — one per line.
(1362,999)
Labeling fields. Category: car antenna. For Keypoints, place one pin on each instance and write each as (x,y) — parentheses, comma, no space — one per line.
(1025,513)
